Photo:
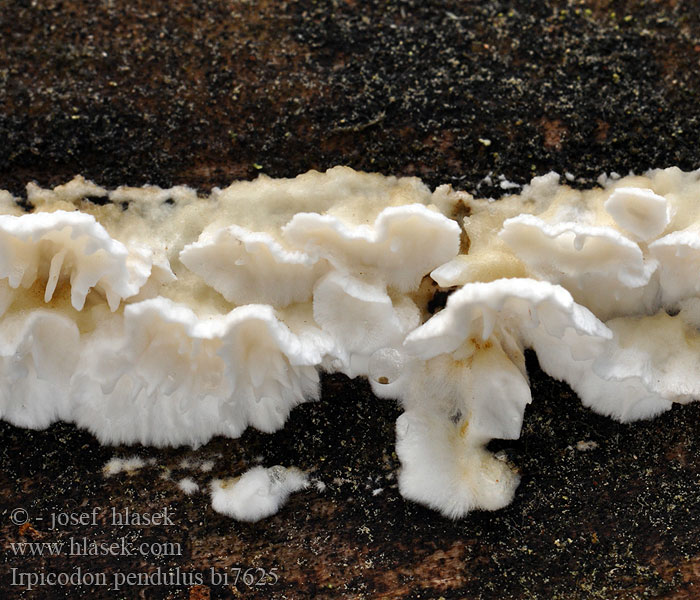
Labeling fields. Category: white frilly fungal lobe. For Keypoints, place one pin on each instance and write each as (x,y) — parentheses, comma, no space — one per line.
(361,319)
(168,377)
(641,212)
(403,244)
(650,362)
(678,254)
(69,246)
(469,386)
(604,270)
(258,493)
(163,317)
(247,266)
(39,351)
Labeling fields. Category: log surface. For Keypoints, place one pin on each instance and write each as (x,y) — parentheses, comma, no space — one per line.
(205,92)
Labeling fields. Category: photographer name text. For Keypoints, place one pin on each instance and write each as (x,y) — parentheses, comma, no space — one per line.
(117,518)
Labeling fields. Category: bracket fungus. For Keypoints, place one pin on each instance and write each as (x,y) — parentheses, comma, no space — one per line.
(158,317)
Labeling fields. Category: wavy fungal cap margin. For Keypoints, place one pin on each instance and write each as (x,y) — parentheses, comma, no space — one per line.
(163,317)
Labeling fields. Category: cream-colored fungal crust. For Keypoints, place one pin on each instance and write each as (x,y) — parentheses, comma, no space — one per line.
(165,317)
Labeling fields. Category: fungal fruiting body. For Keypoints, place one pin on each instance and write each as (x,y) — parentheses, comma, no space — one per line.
(161,317)
(258,493)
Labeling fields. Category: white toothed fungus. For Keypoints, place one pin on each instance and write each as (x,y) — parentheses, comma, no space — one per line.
(246,266)
(148,378)
(167,376)
(39,352)
(188,485)
(361,318)
(443,468)
(163,317)
(469,386)
(662,351)
(455,405)
(272,369)
(639,211)
(602,269)
(68,246)
(64,195)
(402,245)
(258,493)
(522,305)
(678,254)
(648,363)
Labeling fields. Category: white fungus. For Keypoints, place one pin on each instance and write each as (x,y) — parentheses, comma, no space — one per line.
(188,485)
(258,493)
(129,465)
(206,466)
(246,266)
(166,318)
(68,246)
(640,211)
